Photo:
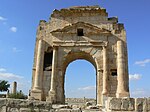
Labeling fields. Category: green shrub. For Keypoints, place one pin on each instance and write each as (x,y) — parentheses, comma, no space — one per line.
(17,95)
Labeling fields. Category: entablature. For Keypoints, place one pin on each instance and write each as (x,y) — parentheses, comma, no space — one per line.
(80,43)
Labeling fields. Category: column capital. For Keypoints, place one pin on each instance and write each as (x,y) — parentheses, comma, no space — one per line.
(104,48)
(100,70)
(39,39)
(105,43)
(55,47)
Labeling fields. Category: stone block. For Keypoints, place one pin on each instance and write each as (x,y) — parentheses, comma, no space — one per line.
(61,107)
(3,109)
(148,104)
(128,104)
(88,103)
(140,104)
(76,110)
(75,106)
(52,110)
(2,102)
(13,110)
(63,110)
(25,110)
(145,106)
(115,104)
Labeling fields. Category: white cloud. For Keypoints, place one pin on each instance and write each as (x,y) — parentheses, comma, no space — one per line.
(2,18)
(135,77)
(142,63)
(2,70)
(9,76)
(138,93)
(13,29)
(14,49)
(4,75)
(89,88)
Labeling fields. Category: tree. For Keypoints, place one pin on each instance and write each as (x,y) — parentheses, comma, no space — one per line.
(4,85)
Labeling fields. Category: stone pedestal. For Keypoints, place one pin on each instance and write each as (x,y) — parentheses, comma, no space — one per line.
(36,94)
(52,97)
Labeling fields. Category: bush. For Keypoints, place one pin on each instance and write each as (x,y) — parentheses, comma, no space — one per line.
(17,95)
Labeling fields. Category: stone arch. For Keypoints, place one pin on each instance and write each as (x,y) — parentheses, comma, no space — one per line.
(72,56)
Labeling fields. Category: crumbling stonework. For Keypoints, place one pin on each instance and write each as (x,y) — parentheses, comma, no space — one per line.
(127,105)
(18,105)
(14,105)
(112,105)
(80,33)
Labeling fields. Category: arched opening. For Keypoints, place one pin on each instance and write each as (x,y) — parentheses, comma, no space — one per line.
(80,80)
(77,76)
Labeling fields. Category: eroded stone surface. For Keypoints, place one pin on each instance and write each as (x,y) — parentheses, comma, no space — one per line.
(128,104)
(148,104)
(115,104)
(84,32)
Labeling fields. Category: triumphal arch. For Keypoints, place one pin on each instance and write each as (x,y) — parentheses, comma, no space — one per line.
(82,32)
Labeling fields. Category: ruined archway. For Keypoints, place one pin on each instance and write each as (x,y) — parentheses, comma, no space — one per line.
(80,33)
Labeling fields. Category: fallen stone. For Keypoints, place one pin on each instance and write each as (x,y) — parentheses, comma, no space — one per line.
(61,106)
(88,104)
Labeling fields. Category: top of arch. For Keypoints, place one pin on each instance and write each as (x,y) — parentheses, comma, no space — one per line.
(79,9)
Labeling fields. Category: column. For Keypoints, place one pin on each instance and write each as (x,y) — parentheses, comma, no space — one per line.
(105,72)
(14,90)
(98,87)
(52,92)
(121,87)
(39,67)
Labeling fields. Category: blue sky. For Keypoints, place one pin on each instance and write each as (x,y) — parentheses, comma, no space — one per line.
(18,23)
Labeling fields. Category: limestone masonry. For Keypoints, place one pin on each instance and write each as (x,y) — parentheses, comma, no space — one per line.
(84,32)
(112,105)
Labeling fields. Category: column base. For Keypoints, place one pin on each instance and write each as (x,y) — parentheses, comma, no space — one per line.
(105,93)
(104,99)
(36,94)
(52,97)
(99,99)
(123,94)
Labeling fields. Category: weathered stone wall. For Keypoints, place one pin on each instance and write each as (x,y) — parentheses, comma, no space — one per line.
(128,105)
(15,105)
(18,105)
(112,105)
